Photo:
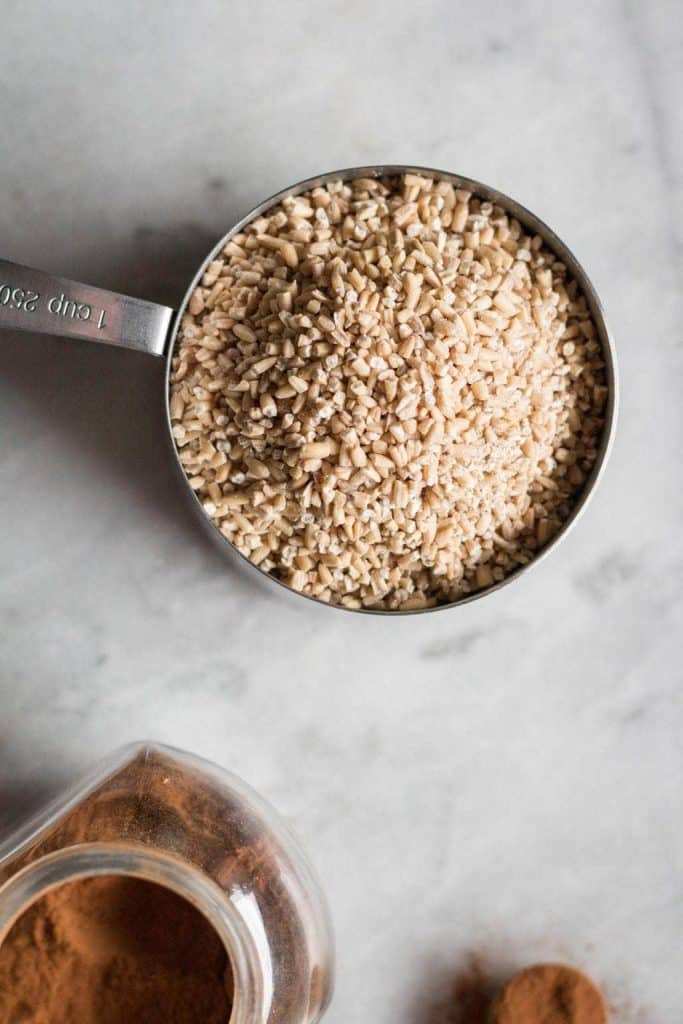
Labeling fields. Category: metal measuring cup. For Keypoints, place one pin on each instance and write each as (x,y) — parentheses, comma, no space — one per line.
(31,300)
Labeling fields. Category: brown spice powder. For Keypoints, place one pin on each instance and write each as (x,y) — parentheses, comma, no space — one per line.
(473,993)
(549,994)
(156,802)
(113,950)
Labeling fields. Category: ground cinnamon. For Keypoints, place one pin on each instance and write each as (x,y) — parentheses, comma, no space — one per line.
(549,994)
(162,802)
(113,950)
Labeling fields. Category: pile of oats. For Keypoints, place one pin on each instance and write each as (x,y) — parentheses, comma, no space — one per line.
(386,394)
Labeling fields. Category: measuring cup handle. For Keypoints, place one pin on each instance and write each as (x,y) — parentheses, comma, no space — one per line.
(31,300)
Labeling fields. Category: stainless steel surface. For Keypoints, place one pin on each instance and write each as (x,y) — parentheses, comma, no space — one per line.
(151,328)
(32,300)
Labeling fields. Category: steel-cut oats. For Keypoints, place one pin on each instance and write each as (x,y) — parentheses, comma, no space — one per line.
(386,393)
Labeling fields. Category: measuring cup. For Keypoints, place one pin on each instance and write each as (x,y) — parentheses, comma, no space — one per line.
(32,300)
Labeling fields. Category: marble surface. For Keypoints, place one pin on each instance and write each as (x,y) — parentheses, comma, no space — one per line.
(504,779)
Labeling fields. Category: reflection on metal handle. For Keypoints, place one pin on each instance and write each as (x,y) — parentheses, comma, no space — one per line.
(31,300)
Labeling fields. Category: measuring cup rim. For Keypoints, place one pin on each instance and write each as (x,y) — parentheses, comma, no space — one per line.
(530,221)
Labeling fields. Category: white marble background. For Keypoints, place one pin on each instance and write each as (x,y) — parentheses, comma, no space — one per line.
(505,778)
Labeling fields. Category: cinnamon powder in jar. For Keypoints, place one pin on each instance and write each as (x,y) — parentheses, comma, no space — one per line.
(167,803)
(113,950)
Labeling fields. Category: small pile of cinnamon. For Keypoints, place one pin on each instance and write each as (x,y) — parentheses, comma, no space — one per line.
(549,994)
(113,950)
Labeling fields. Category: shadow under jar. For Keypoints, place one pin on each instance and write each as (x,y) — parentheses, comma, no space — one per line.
(312,564)
(165,817)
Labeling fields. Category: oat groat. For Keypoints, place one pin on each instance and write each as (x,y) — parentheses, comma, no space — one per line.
(386,394)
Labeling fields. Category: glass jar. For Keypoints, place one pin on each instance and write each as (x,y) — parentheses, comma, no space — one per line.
(168,817)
